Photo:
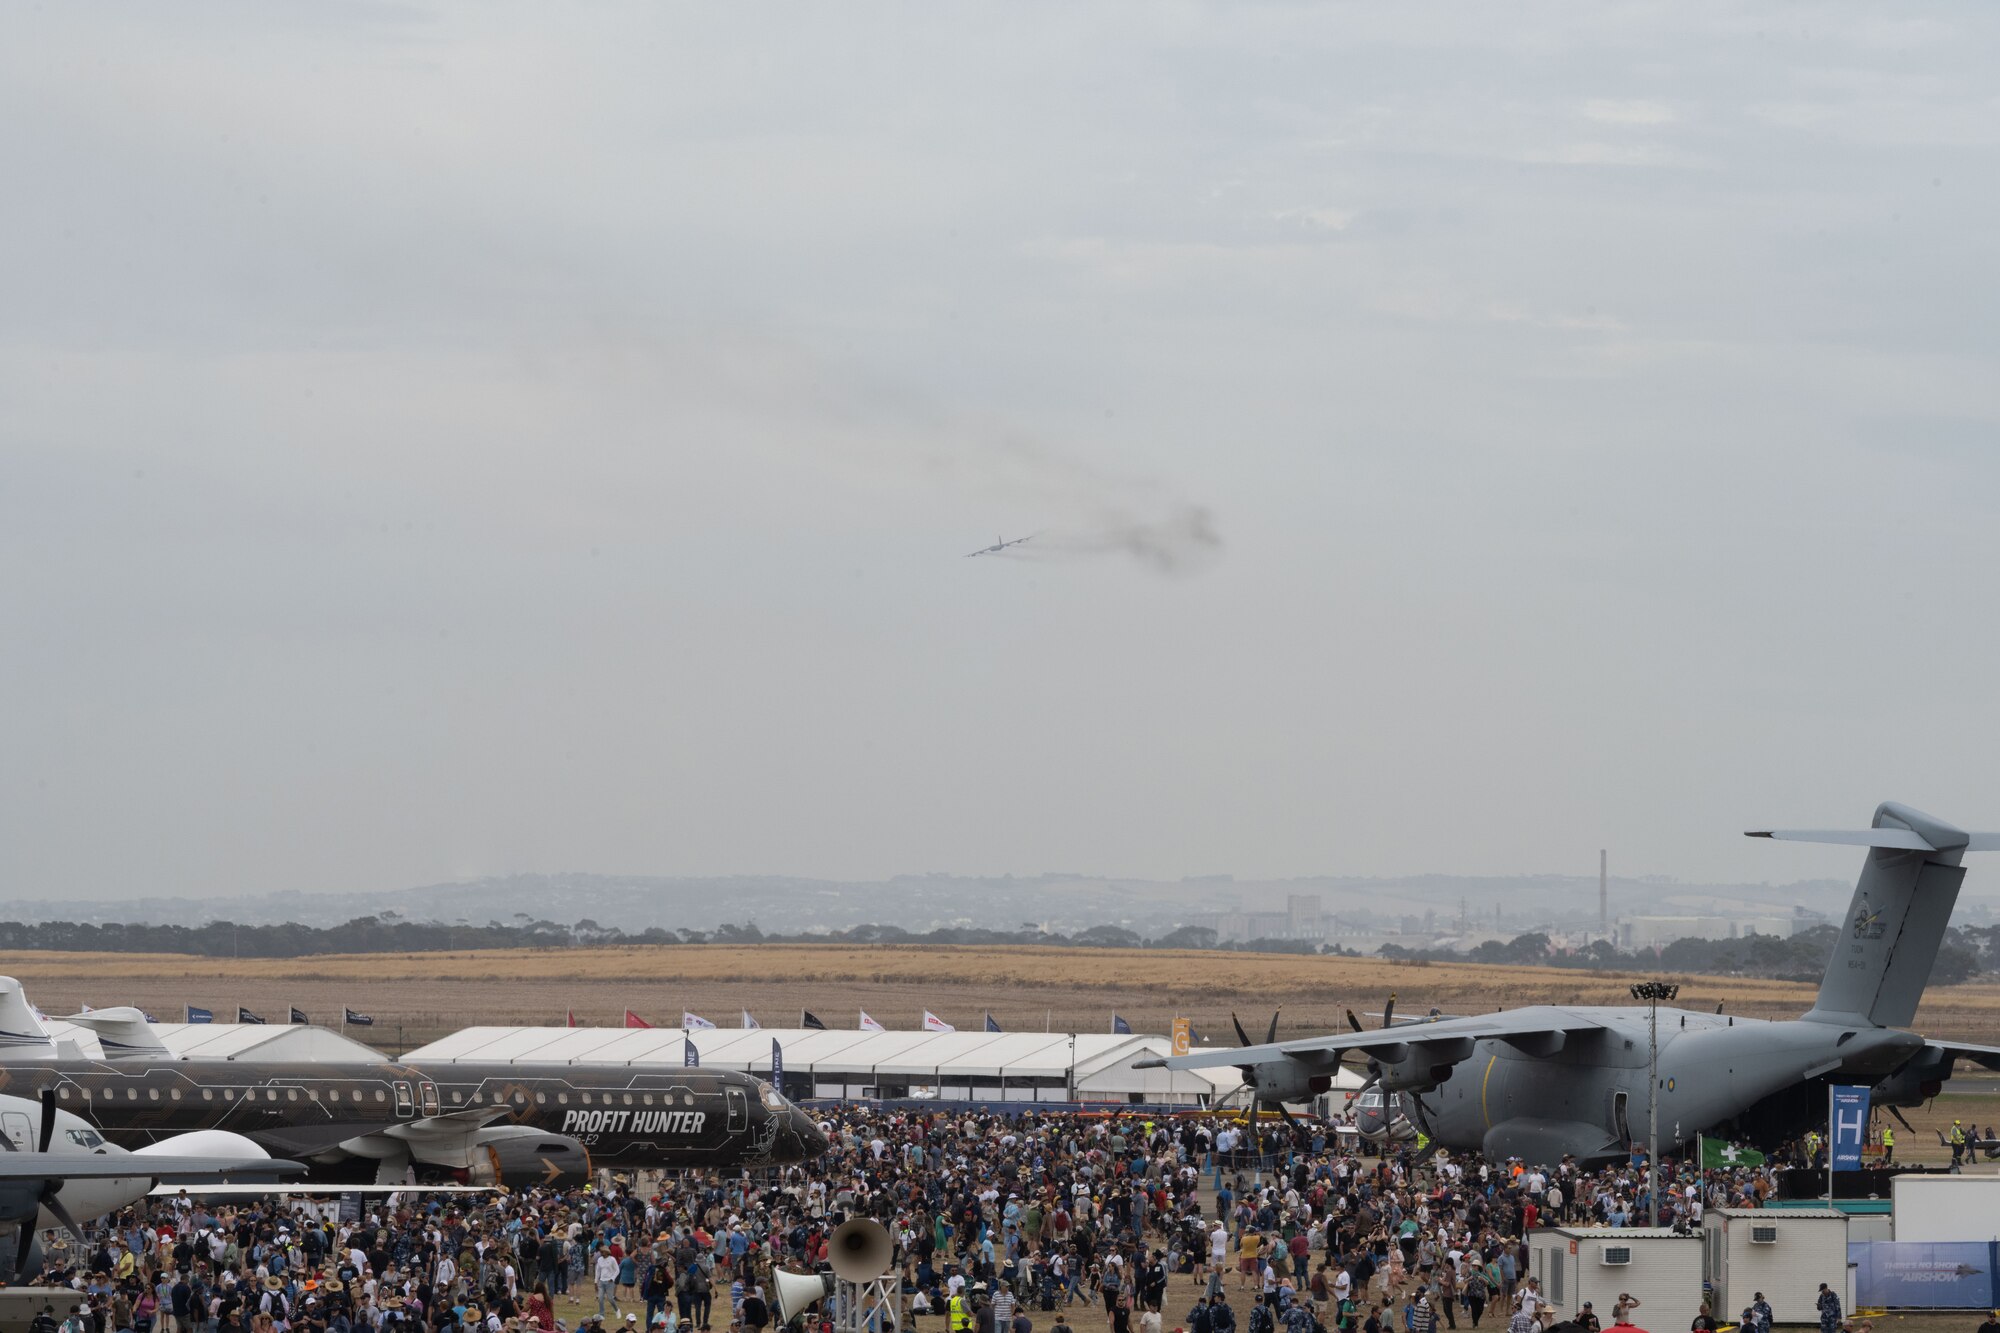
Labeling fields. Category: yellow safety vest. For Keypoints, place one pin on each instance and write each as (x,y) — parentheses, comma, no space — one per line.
(961,1317)
(1888,1138)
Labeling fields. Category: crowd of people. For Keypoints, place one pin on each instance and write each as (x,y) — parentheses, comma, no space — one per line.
(999,1222)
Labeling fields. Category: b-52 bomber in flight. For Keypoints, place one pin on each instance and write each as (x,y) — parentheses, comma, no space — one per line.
(391,1122)
(1548,1080)
(1000,544)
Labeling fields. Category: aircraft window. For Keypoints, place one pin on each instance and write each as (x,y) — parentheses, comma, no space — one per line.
(229,1094)
(270,1094)
(333,1094)
(541,1099)
(153,1093)
(63,1093)
(478,1097)
(131,1094)
(586,1098)
(562,1099)
(291,1094)
(312,1094)
(628,1099)
(86,1138)
(649,1099)
(208,1094)
(175,1094)
(456,1098)
(381,1096)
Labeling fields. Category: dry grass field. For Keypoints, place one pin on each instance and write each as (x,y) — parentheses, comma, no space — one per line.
(416,997)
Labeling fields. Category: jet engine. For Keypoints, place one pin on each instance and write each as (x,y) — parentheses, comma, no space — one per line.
(522,1157)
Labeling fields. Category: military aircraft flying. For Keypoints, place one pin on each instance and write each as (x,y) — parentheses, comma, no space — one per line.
(1549,1080)
(386,1121)
(1000,544)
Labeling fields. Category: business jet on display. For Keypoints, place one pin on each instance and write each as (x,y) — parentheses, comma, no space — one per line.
(1000,544)
(55,1168)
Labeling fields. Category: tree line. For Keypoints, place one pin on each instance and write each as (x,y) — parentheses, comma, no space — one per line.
(1967,951)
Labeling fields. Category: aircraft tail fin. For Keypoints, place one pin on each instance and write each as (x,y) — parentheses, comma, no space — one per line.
(123,1033)
(22,1036)
(1902,903)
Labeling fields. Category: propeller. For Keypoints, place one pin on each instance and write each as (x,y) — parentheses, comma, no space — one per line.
(44,1136)
(1249,1072)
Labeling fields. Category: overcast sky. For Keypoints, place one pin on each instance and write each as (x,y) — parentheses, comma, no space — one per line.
(515,438)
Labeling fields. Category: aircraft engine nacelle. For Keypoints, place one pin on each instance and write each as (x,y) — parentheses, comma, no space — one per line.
(1419,1066)
(1293,1083)
(522,1157)
(1914,1084)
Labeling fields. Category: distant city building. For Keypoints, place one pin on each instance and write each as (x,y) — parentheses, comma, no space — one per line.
(1652,932)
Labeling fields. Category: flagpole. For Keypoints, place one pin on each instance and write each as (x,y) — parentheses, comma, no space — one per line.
(1829,1145)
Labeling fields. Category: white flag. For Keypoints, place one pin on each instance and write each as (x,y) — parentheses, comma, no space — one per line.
(694,1022)
(750,1024)
(932,1023)
(870,1025)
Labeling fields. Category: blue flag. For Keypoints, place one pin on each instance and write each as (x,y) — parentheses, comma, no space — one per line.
(690,1057)
(200,1015)
(777,1065)
(360,1020)
(1847,1123)
(991,1026)
(245,1016)
(1120,1027)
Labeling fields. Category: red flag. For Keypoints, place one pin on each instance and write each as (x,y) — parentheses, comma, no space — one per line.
(633,1020)
(572,1019)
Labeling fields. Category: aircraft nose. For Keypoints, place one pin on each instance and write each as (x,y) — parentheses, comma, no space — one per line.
(812,1142)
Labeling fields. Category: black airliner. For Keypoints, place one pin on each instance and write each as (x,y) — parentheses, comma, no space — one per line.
(473,1124)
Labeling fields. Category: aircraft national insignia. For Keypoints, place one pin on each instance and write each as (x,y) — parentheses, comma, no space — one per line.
(1867,920)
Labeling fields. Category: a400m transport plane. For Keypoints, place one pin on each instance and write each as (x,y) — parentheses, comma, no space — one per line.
(446,1123)
(1539,1082)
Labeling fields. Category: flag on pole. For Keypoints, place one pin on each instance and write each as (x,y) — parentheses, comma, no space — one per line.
(809,1020)
(1120,1027)
(299,1015)
(690,1057)
(570,1018)
(1848,1126)
(932,1023)
(359,1020)
(750,1024)
(633,1020)
(777,1066)
(245,1016)
(1720,1155)
(86,1010)
(149,1017)
(695,1022)
(199,1015)
(991,1026)
(870,1025)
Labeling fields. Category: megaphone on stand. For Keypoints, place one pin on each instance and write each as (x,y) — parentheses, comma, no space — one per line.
(860,1250)
(795,1293)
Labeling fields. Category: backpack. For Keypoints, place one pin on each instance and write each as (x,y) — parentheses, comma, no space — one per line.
(1260,1318)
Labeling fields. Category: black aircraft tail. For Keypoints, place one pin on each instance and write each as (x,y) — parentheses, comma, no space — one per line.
(1887,942)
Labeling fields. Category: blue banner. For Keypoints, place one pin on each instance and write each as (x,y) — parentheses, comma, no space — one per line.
(690,1057)
(1847,1131)
(196,1015)
(1921,1275)
(777,1065)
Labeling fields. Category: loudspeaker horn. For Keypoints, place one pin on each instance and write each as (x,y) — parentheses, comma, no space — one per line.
(793,1293)
(860,1250)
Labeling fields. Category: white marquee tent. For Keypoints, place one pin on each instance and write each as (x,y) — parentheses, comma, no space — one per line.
(955,1066)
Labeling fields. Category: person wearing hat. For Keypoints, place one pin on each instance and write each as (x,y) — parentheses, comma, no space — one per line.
(1587,1320)
(1992,1323)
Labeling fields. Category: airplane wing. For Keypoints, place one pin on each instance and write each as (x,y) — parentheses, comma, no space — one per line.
(984,550)
(1537,1029)
(133,1166)
(1989,1056)
(301,1189)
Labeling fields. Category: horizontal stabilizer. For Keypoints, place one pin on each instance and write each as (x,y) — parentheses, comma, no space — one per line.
(1900,838)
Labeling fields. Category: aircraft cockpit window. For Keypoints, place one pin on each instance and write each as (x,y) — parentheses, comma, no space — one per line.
(772,1101)
(86,1138)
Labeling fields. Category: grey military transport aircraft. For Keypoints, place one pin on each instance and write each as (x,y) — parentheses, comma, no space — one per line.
(1548,1080)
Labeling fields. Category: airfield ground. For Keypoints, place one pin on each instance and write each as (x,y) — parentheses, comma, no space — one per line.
(422,996)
